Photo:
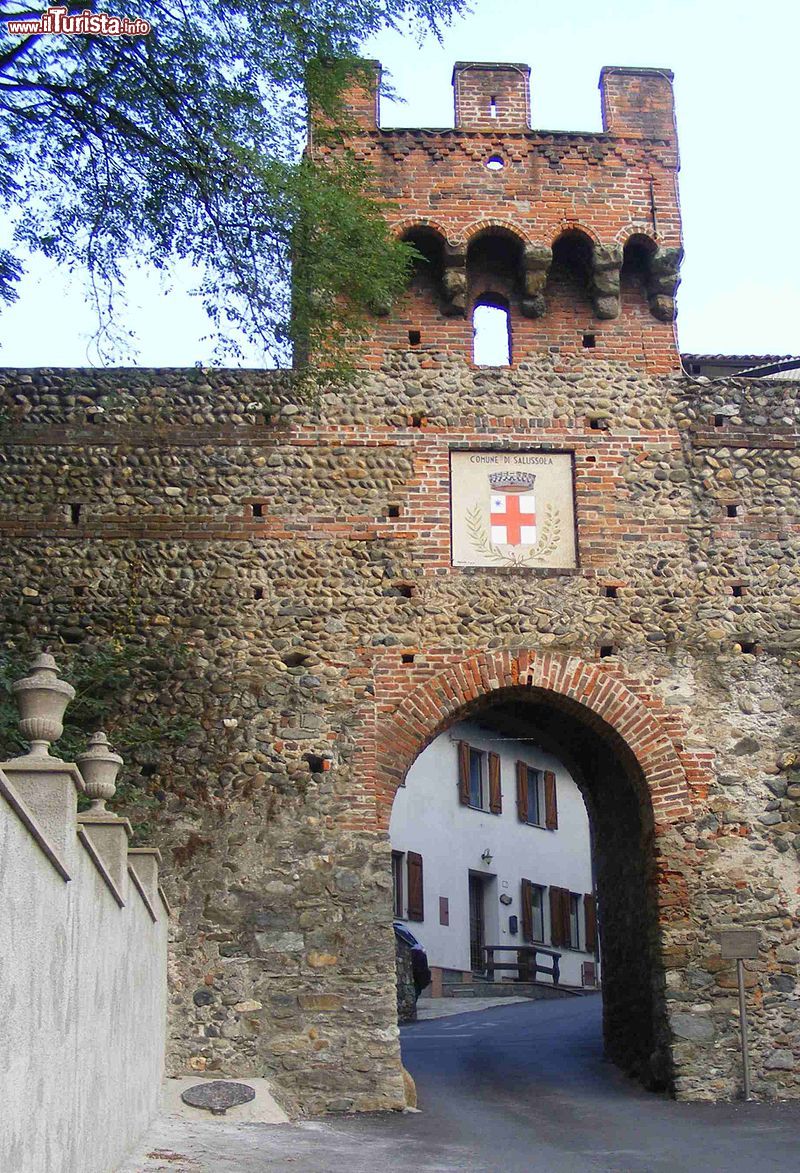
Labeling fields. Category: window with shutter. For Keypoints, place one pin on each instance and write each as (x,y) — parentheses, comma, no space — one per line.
(590,918)
(416,903)
(532,902)
(550,801)
(532,795)
(555,916)
(495,792)
(537,897)
(476,797)
(560,933)
(522,792)
(463,773)
(472,771)
(574,920)
(527,910)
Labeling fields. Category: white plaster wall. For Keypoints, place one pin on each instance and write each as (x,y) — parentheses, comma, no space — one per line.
(427,817)
(83,986)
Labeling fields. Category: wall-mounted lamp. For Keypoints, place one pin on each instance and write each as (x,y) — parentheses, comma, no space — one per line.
(487,857)
(505,899)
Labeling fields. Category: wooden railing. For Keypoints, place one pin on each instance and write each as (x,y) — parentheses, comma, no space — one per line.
(526,964)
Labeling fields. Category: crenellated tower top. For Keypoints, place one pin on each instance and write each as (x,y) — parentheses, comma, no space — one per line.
(568,242)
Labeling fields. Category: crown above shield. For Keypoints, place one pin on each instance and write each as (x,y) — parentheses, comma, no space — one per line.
(512,482)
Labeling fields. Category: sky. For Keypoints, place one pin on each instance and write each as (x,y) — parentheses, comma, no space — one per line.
(738,103)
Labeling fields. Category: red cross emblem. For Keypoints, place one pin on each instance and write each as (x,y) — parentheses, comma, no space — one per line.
(513,519)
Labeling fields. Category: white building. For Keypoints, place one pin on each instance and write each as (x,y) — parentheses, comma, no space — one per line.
(490,847)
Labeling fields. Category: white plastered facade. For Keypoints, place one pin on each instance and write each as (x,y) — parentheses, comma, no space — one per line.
(428,818)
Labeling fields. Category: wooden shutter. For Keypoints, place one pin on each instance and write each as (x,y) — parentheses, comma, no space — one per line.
(559,917)
(526,900)
(590,919)
(550,801)
(555,916)
(495,793)
(566,920)
(463,773)
(522,792)
(416,902)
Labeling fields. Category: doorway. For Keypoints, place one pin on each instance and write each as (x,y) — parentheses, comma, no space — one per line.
(477,923)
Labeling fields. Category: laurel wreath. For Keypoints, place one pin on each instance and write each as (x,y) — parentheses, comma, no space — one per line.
(550,537)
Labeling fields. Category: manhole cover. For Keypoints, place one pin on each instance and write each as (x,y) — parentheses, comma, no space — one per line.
(218,1095)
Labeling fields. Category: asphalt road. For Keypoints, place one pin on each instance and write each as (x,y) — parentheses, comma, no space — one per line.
(514,1089)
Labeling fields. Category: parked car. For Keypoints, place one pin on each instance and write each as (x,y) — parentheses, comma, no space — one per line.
(420,969)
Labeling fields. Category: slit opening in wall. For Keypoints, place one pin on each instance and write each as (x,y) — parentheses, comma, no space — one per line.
(414,337)
(737,590)
(258,510)
(407,658)
(719,421)
(419,419)
(589,341)
(606,650)
(405,590)
(748,646)
(258,592)
(610,592)
(393,511)
(75,513)
(493,106)
(732,510)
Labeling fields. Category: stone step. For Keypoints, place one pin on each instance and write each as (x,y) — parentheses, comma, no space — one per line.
(484,989)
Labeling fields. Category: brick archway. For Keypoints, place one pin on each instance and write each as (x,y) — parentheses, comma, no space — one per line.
(624,749)
(605,697)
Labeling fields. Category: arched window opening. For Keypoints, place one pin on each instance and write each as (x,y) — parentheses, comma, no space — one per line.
(635,274)
(491,332)
(572,257)
(493,280)
(636,258)
(428,265)
(495,253)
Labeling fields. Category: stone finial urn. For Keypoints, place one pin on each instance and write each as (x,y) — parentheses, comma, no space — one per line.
(42,700)
(99,767)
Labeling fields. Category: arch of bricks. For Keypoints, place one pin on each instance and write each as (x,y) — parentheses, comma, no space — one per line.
(635,228)
(407,225)
(651,733)
(493,224)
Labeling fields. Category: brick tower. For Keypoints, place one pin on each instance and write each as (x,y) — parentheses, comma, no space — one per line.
(575,237)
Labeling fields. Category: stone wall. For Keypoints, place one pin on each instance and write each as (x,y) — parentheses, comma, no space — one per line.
(300,555)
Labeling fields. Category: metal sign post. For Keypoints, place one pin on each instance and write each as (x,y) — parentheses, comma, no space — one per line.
(740,944)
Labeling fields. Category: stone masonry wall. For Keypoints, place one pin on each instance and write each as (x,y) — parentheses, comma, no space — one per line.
(300,555)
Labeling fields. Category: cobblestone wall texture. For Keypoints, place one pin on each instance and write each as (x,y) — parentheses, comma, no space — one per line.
(295,629)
